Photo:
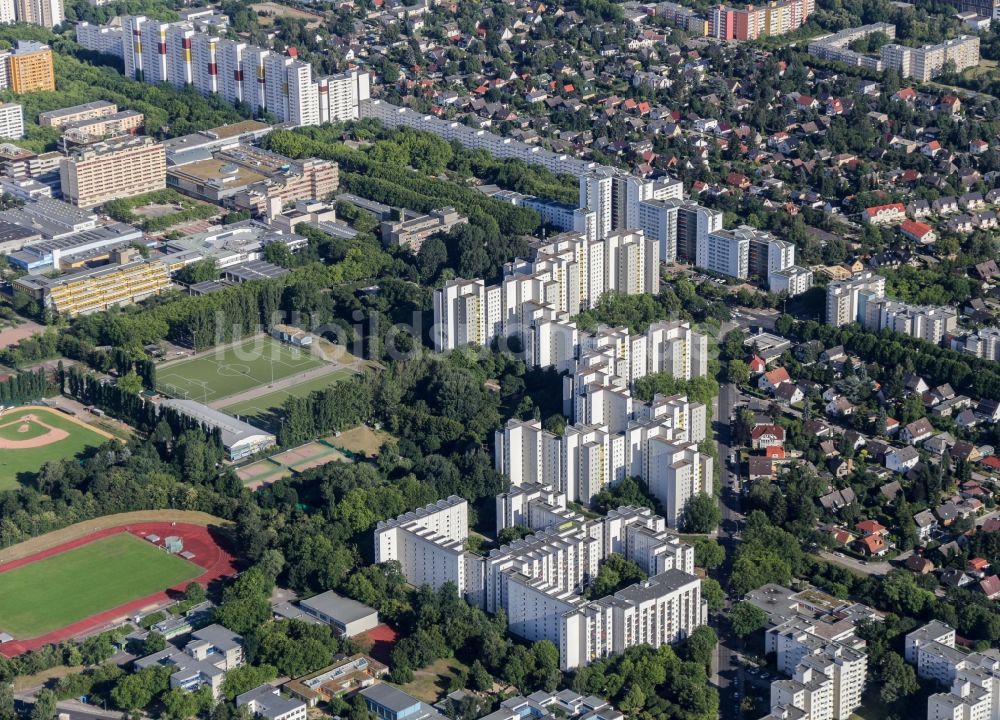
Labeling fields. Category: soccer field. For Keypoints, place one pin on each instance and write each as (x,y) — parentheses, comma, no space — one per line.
(264,405)
(220,373)
(33,436)
(63,589)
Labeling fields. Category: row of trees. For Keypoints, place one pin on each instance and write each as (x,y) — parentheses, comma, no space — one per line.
(24,387)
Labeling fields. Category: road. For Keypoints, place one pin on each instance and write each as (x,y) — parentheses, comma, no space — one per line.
(869,568)
(23,703)
(727,674)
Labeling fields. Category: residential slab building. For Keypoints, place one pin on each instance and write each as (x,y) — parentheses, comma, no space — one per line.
(847,301)
(182,54)
(77,113)
(204,661)
(924,63)
(112,170)
(27,68)
(930,323)
(11,121)
(429,544)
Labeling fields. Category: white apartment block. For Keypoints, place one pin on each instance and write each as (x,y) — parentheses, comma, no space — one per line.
(927,62)
(973,678)
(429,544)
(933,632)
(536,298)
(841,658)
(673,347)
(615,197)
(461,315)
(678,473)
(793,280)
(657,442)
(835,47)
(394,116)
(746,252)
(11,121)
(527,454)
(105,39)
(928,323)
(847,301)
(726,252)
(658,220)
(984,343)
(563,559)
(809,690)
(179,54)
(534,506)
(537,580)
(663,610)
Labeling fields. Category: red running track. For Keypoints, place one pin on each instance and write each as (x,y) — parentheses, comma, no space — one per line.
(208,554)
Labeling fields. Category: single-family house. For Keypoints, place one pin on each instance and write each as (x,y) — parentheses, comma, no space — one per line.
(769,381)
(990,587)
(901,459)
(760,468)
(917,431)
(919,565)
(765,436)
(926,524)
(873,545)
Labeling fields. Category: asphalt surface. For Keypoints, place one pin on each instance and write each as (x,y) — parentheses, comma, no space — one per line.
(727,673)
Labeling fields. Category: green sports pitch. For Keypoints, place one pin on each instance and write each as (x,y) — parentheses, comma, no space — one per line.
(20,464)
(60,590)
(253,363)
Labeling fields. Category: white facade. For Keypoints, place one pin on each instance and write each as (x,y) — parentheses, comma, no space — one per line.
(847,301)
(973,678)
(429,544)
(658,221)
(11,121)
(928,323)
(105,39)
(793,280)
(726,253)
(181,55)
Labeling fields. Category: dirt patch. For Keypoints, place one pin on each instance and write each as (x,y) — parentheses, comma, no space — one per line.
(88,527)
(360,440)
(14,335)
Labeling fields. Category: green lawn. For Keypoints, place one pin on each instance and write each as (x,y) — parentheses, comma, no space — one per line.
(18,464)
(63,589)
(265,405)
(220,373)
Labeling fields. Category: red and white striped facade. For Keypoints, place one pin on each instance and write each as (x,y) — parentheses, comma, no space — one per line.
(282,85)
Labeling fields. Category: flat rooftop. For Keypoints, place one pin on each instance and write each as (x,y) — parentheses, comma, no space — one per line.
(218,172)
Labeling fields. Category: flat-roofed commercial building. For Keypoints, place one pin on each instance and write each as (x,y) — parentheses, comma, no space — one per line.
(239,439)
(124,282)
(75,250)
(112,170)
(348,617)
(250,178)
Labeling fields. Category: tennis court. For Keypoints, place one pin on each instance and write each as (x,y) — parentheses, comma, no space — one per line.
(256,362)
(263,472)
(308,456)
